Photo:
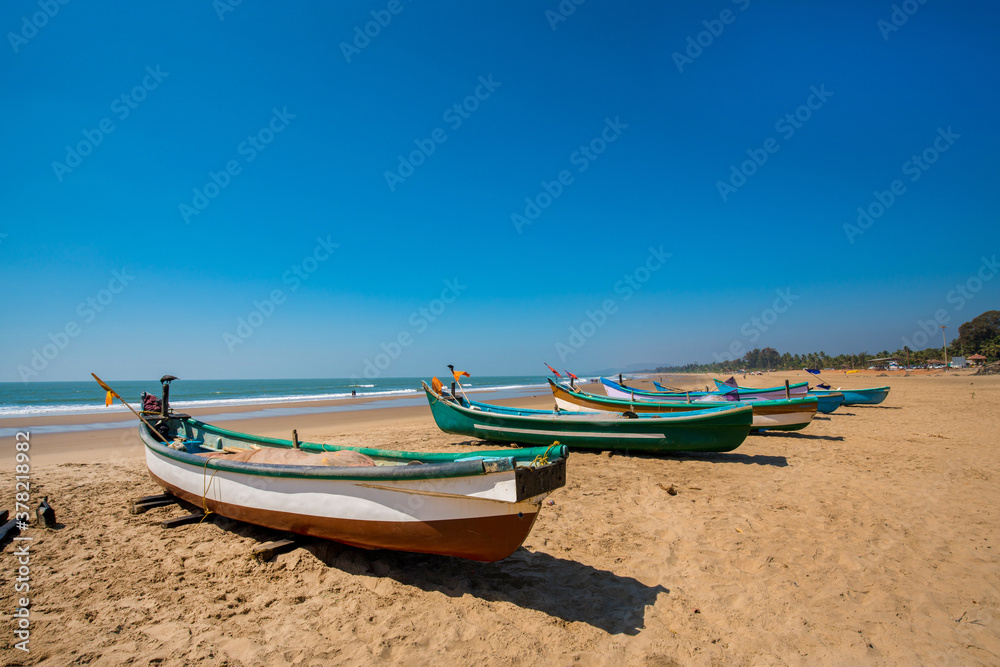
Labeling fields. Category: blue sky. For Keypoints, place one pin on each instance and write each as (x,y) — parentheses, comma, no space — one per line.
(253,166)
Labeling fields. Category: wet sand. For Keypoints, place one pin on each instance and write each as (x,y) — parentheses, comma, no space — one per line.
(870,537)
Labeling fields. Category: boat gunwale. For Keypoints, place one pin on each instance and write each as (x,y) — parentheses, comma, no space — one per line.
(470,466)
(842,390)
(719,384)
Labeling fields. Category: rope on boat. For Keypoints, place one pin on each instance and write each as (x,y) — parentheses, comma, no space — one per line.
(543,458)
(206,485)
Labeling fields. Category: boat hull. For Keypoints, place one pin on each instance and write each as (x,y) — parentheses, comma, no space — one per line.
(870,396)
(713,430)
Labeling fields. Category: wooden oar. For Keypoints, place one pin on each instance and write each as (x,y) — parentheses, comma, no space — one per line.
(105,387)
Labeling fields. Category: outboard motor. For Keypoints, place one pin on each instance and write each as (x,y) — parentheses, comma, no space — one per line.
(165,406)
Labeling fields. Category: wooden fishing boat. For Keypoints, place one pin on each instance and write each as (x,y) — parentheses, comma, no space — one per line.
(727,392)
(796,389)
(779,415)
(475,505)
(718,429)
(828,401)
(869,396)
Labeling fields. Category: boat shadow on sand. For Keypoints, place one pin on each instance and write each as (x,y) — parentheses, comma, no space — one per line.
(745,459)
(796,434)
(562,588)
(713,457)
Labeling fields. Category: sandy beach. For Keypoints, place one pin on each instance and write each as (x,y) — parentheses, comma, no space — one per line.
(870,537)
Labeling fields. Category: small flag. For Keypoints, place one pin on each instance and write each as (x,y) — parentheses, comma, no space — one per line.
(111,392)
(731,381)
(571,375)
(730,395)
(553,370)
(458,374)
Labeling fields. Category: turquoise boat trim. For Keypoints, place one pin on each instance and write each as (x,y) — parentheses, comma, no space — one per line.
(523,454)
(435,465)
(869,396)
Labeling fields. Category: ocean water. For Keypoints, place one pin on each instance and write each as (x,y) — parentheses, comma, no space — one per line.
(36,399)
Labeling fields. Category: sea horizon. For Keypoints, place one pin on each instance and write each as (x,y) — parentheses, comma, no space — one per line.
(78,397)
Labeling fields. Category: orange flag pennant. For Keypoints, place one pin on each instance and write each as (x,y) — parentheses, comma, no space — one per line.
(111,392)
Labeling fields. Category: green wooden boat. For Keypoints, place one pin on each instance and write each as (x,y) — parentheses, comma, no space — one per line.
(717,429)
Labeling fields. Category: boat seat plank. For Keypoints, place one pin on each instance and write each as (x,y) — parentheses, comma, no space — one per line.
(183,520)
(267,551)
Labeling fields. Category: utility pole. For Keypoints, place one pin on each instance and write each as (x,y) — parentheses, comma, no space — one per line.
(945,342)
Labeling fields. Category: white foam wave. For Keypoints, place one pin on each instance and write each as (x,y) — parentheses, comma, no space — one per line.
(64,409)
(15,411)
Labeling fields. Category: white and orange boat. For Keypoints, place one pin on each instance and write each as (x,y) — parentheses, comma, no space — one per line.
(476,505)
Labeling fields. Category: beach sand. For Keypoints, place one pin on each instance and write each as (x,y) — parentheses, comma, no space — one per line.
(871,537)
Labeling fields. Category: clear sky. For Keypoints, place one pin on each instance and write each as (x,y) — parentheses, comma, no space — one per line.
(593,185)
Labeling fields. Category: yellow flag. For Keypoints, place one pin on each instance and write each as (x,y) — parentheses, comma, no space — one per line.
(458,375)
(111,392)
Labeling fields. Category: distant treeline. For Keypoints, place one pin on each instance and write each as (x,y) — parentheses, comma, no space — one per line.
(980,335)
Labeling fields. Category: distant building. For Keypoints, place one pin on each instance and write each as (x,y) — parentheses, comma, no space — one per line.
(977,360)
